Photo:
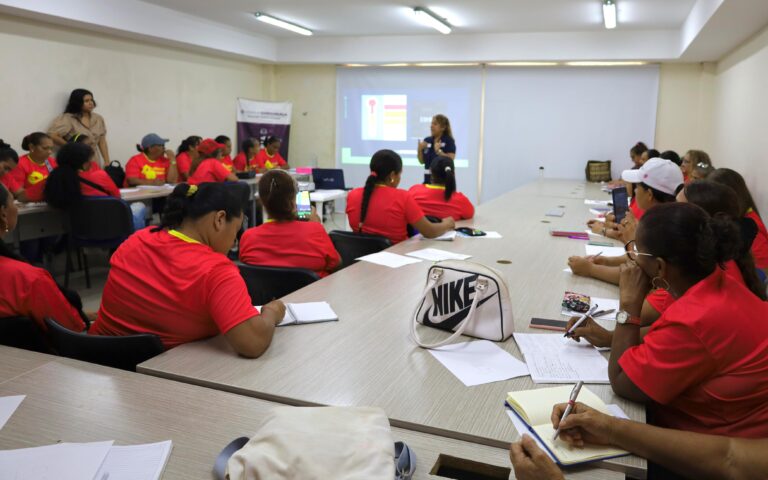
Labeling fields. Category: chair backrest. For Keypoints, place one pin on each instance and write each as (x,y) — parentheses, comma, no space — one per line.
(351,245)
(101,219)
(124,352)
(268,283)
(23,332)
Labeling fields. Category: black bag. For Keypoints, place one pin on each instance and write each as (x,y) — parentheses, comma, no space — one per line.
(116,173)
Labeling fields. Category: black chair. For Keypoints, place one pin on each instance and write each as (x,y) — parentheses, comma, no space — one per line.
(23,332)
(102,222)
(351,245)
(268,283)
(124,352)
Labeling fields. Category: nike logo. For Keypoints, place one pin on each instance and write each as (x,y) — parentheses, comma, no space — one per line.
(451,322)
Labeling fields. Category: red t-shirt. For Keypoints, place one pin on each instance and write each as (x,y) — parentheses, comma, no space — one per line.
(760,244)
(390,210)
(173,287)
(263,160)
(99,177)
(10,182)
(293,244)
(636,211)
(227,162)
(183,164)
(141,167)
(661,300)
(31,177)
(210,170)
(31,292)
(241,164)
(431,199)
(705,361)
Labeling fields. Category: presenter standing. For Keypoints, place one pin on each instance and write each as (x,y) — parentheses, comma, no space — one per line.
(439,144)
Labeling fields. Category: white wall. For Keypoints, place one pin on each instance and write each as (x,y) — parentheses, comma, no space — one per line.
(139,88)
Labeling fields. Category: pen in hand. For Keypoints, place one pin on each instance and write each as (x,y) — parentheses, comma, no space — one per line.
(578,323)
(571,403)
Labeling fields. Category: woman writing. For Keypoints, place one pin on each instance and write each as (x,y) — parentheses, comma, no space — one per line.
(269,157)
(380,208)
(440,198)
(28,178)
(79,119)
(284,241)
(183,287)
(208,167)
(439,144)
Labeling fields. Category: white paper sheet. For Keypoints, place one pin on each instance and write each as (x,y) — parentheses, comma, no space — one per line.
(490,235)
(436,255)
(61,461)
(135,462)
(616,411)
(391,260)
(606,251)
(522,429)
(123,191)
(479,362)
(606,304)
(552,358)
(8,405)
(596,203)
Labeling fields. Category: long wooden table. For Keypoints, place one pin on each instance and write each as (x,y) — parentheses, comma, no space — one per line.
(367,358)
(71,401)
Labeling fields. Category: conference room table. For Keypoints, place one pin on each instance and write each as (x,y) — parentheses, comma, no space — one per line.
(71,401)
(368,358)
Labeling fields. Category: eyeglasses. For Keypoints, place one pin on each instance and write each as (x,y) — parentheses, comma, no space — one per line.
(631,248)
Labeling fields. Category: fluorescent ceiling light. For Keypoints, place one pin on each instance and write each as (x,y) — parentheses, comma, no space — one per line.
(609,13)
(446,64)
(523,64)
(430,19)
(282,24)
(605,64)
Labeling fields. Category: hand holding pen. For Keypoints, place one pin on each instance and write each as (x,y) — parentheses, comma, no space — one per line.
(571,403)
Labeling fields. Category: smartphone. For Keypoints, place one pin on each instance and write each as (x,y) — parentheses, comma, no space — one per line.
(620,203)
(472,232)
(548,324)
(303,206)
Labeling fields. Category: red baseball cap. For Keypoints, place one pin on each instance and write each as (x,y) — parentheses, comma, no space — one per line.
(208,146)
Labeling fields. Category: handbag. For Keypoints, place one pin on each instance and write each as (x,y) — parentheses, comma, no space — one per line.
(466,298)
(116,173)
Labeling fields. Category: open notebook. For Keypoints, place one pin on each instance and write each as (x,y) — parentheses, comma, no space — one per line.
(308,312)
(534,408)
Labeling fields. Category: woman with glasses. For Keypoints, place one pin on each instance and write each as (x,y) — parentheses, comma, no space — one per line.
(692,160)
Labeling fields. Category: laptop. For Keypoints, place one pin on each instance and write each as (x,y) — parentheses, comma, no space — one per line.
(328,178)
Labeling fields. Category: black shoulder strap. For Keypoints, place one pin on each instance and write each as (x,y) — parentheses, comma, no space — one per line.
(94,185)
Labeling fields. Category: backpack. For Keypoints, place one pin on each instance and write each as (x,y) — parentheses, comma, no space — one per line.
(116,173)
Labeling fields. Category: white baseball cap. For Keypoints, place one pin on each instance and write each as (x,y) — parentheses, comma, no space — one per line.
(662,175)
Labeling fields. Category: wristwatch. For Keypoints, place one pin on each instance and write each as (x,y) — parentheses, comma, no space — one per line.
(624,318)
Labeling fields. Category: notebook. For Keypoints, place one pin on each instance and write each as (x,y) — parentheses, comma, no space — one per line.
(534,408)
(309,312)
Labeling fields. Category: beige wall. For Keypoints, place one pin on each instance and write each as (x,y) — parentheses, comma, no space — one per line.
(139,88)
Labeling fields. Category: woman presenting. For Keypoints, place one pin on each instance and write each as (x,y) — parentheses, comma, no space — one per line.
(439,144)
(79,120)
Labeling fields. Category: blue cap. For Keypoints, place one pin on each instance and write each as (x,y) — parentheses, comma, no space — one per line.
(152,139)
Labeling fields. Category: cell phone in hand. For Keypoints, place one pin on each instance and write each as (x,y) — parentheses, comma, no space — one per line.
(548,324)
(303,205)
(620,203)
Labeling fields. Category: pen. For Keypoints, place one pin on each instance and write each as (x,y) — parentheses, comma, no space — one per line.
(571,403)
(580,321)
(603,312)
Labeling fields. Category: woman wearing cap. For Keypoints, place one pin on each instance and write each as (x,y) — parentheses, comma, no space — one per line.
(656,182)
(154,165)
(80,121)
(440,198)
(269,157)
(182,286)
(284,241)
(439,144)
(208,167)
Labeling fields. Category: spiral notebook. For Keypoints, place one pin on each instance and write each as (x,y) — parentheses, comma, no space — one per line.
(308,312)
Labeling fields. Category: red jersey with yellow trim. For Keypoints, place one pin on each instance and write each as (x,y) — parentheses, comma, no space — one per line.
(31,177)
(264,160)
(293,244)
(141,167)
(431,199)
(31,292)
(10,182)
(227,162)
(168,284)
(390,211)
(209,170)
(241,164)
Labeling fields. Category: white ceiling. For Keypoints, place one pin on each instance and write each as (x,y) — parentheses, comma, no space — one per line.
(380,31)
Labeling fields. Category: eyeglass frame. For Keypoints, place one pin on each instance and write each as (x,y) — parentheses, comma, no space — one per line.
(635,252)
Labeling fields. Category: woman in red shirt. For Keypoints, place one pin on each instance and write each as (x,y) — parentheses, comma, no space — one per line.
(380,208)
(440,198)
(269,157)
(733,179)
(246,159)
(154,165)
(284,241)
(703,365)
(693,159)
(8,161)
(175,280)
(226,158)
(30,291)
(209,166)
(33,169)
(74,178)
(186,154)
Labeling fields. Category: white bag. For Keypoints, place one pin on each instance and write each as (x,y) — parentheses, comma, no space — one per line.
(466,298)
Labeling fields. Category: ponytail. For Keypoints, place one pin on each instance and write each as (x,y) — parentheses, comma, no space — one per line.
(443,173)
(383,163)
(33,139)
(189,143)
(193,202)
(62,187)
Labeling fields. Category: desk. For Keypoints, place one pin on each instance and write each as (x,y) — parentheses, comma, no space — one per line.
(73,401)
(322,196)
(367,358)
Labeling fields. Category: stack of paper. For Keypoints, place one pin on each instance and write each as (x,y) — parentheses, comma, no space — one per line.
(437,255)
(552,358)
(391,260)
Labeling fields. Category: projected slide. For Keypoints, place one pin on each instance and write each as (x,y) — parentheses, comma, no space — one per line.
(384,117)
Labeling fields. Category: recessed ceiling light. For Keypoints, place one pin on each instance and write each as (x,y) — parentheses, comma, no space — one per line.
(609,13)
(282,24)
(429,18)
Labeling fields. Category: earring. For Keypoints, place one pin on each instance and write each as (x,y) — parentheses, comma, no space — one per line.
(659,279)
